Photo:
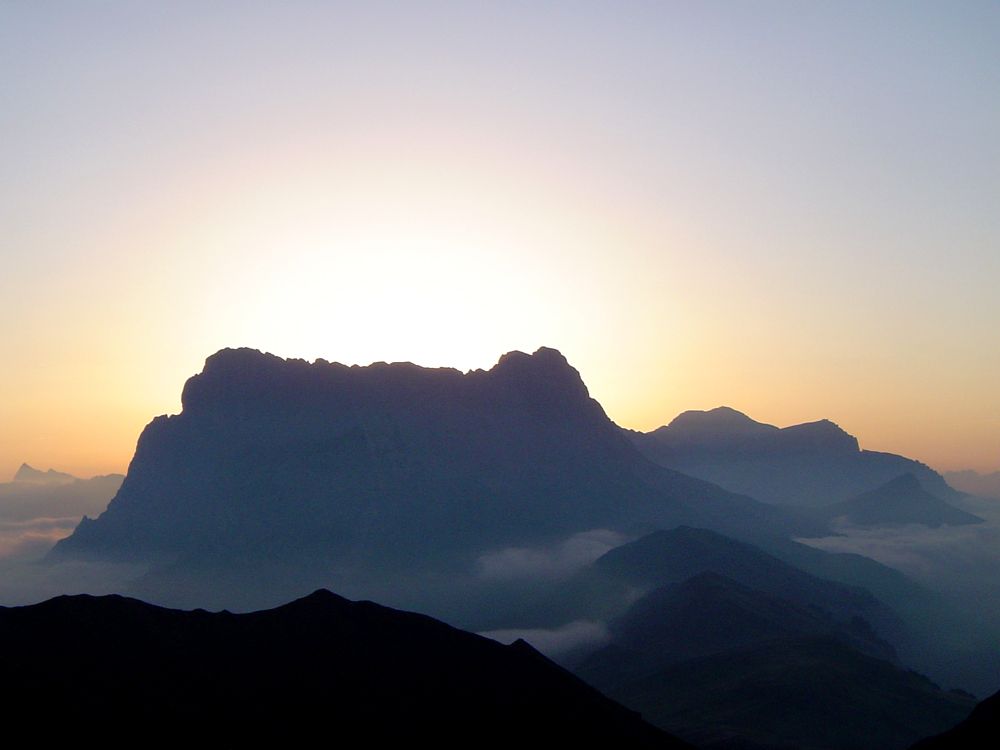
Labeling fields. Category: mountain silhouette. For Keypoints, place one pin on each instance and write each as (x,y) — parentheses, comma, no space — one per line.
(901,501)
(806,693)
(809,465)
(387,467)
(319,667)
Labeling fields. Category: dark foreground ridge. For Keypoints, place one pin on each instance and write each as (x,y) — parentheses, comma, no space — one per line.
(815,693)
(321,666)
(980,731)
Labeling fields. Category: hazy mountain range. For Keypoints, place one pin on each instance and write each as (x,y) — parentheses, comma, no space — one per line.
(807,465)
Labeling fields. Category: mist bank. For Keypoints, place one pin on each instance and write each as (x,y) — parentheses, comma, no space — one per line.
(38,508)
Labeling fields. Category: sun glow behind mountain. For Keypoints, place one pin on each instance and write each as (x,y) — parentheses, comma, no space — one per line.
(790,211)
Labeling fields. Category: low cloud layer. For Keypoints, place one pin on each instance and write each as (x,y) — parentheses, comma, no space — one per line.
(31,539)
(549,563)
(23,501)
(35,514)
(949,558)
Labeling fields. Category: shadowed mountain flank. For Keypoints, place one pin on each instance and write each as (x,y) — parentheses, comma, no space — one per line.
(809,465)
(322,665)
(671,557)
(815,693)
(709,613)
(389,465)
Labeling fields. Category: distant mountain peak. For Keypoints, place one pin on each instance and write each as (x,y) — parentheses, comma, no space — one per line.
(720,418)
(30,474)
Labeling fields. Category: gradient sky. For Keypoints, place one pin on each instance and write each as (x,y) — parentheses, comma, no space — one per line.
(792,208)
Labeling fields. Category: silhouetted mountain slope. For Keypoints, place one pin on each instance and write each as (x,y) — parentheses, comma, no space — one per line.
(320,668)
(389,465)
(666,557)
(897,503)
(979,731)
(818,694)
(807,465)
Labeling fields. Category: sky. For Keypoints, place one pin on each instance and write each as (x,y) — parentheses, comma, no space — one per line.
(790,208)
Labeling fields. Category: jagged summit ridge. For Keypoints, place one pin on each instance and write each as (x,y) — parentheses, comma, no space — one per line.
(241,375)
